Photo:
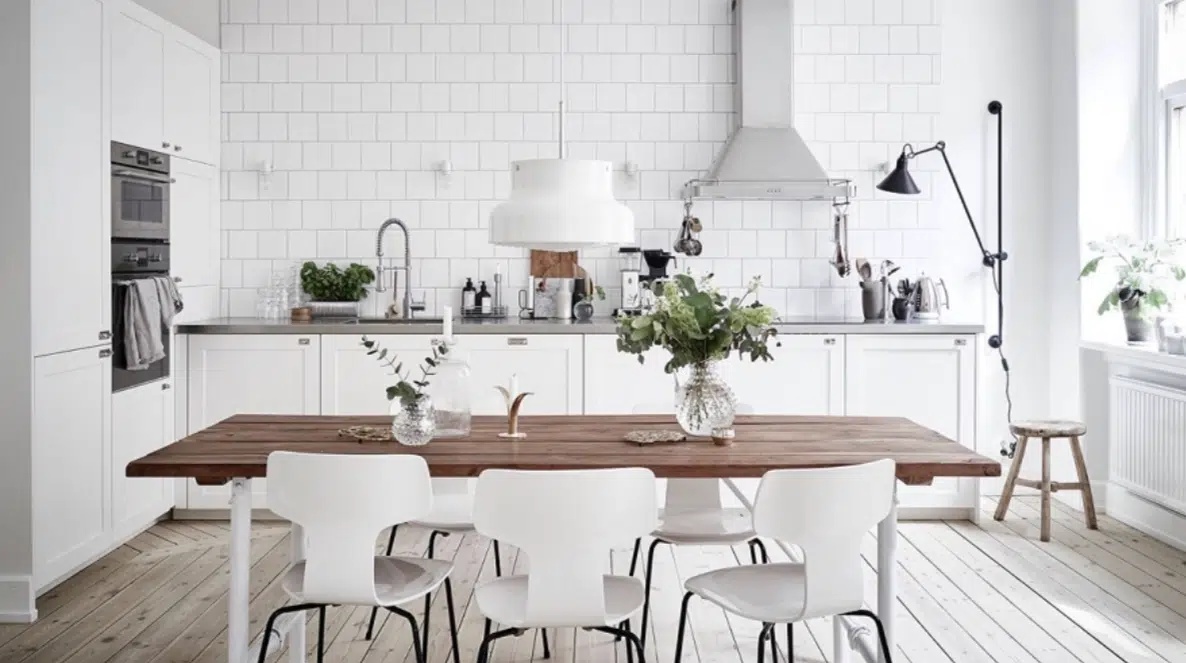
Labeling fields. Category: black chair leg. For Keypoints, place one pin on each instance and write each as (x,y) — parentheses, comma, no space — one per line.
(489,638)
(497,561)
(634,557)
(885,648)
(623,633)
(375,611)
(321,634)
(271,625)
(543,632)
(753,553)
(683,619)
(790,642)
(766,629)
(625,626)
(452,620)
(761,547)
(417,646)
(646,601)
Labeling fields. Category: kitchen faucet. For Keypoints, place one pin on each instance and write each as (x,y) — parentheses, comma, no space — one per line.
(406,268)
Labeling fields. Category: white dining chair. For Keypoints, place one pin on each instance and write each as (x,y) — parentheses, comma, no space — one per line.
(693,515)
(826,513)
(452,513)
(566,521)
(342,502)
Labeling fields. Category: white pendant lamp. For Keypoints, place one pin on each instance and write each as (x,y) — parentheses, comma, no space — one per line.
(561,204)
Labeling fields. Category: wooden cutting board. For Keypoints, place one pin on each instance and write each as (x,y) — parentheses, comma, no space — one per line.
(555,264)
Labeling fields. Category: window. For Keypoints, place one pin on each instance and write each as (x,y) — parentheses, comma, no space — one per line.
(1171,78)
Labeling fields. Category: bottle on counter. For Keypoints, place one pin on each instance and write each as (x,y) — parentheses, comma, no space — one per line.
(484,300)
(469,296)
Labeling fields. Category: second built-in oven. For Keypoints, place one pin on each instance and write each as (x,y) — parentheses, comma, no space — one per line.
(139,193)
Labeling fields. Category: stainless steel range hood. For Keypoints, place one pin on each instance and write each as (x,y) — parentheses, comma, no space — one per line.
(765,158)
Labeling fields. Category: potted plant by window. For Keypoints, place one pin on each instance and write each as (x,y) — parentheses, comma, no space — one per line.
(1144,271)
(699,326)
(334,291)
(414,422)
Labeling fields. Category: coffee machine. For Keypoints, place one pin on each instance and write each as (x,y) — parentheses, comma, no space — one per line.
(657,262)
(630,271)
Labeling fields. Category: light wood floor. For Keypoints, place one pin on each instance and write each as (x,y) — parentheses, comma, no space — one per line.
(968,594)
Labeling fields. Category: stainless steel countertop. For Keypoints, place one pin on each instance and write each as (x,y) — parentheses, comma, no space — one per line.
(512,326)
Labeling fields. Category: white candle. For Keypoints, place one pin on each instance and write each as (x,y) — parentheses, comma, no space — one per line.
(448,316)
(514,385)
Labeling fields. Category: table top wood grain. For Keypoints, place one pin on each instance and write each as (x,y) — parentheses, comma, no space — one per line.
(239,447)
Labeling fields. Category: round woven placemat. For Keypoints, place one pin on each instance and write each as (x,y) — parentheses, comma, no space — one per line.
(643,437)
(367,433)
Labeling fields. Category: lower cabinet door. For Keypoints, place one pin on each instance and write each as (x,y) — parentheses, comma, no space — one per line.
(141,422)
(71,461)
(353,382)
(929,379)
(547,365)
(248,374)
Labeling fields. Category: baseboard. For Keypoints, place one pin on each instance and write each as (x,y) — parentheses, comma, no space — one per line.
(1153,519)
(221,514)
(935,513)
(17,600)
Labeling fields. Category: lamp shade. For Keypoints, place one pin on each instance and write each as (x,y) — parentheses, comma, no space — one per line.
(561,205)
(899,180)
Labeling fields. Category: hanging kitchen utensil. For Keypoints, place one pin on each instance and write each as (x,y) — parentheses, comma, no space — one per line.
(686,242)
(864,269)
(888,268)
(840,239)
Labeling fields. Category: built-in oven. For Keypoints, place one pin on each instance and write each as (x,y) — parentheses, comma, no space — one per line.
(139,193)
(131,261)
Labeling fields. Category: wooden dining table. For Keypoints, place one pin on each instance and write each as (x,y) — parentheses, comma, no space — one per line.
(236,451)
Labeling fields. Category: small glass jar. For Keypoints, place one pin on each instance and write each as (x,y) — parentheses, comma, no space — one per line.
(450,392)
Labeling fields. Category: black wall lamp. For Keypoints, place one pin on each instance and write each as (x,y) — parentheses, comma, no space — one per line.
(899,181)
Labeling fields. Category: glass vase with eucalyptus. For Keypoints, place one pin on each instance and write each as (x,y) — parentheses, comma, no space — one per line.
(700,326)
(413,414)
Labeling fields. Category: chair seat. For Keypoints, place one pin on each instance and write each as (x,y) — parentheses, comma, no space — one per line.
(1052,428)
(504,600)
(705,527)
(397,579)
(772,593)
(450,513)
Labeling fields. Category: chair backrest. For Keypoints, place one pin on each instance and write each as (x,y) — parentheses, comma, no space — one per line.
(452,486)
(826,512)
(566,521)
(342,502)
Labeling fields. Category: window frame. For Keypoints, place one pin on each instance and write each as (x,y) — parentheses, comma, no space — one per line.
(1162,216)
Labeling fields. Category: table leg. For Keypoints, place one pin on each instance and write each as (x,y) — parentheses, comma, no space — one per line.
(296,628)
(237,595)
(840,649)
(887,569)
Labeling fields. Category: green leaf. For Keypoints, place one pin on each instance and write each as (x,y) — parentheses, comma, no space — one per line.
(686,283)
(392,392)
(1091,266)
(383,354)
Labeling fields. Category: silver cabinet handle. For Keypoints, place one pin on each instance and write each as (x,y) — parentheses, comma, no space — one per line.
(177,279)
(829,341)
(104,353)
(166,387)
(176,148)
(303,341)
(166,145)
(104,335)
(961,341)
(517,340)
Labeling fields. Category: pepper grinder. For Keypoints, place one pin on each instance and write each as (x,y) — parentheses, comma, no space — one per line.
(497,303)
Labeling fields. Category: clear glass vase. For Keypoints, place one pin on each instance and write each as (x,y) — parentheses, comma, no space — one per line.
(704,403)
(413,424)
(450,392)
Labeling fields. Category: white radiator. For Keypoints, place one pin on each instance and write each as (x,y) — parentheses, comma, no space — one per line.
(1148,443)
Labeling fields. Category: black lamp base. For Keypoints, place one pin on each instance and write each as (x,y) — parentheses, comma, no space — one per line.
(995,342)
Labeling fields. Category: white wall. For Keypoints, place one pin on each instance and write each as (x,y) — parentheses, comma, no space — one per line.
(200,17)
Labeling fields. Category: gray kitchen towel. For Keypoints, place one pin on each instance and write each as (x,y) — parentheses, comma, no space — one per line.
(143,318)
(170,297)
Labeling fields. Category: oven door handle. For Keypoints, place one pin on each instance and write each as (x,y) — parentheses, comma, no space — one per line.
(135,175)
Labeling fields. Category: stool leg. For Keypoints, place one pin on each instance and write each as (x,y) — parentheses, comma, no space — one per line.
(1007,493)
(1081,468)
(1045,489)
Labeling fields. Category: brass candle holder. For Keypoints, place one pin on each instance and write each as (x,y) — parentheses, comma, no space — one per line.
(514,402)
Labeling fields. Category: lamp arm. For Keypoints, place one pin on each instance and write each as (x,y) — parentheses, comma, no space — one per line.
(942,149)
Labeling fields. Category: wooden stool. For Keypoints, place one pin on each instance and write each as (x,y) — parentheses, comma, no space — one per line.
(1047,430)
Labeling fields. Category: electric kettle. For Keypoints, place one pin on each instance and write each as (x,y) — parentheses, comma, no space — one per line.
(929,296)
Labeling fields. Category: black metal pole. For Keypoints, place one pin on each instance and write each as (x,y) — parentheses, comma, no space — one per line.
(998,266)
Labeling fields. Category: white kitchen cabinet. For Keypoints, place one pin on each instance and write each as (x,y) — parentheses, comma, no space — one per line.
(194,224)
(70,205)
(191,108)
(354,383)
(547,365)
(806,377)
(929,379)
(164,86)
(71,461)
(201,303)
(141,422)
(137,76)
(256,374)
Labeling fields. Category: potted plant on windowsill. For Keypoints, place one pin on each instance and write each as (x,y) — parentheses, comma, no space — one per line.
(700,327)
(1145,270)
(334,291)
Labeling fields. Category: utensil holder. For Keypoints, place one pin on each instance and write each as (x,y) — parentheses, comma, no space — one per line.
(873,300)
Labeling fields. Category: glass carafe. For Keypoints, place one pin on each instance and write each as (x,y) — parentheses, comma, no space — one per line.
(450,392)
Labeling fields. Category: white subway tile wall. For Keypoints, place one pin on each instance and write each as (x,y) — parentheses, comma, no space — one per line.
(356,105)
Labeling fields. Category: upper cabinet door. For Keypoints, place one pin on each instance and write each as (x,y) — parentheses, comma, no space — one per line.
(190,101)
(71,208)
(193,226)
(137,79)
